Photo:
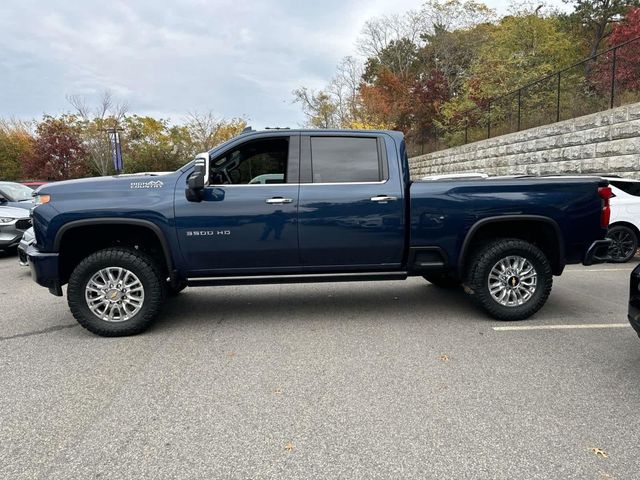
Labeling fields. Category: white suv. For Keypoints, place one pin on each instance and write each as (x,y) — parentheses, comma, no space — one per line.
(624,227)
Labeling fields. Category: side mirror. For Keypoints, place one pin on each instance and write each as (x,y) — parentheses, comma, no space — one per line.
(198,179)
(2,199)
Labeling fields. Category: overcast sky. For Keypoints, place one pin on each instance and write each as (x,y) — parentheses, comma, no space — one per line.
(167,58)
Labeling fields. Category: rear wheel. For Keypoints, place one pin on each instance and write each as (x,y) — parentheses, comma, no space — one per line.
(624,244)
(116,292)
(509,278)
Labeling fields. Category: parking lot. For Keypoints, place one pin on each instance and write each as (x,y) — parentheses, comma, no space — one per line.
(362,380)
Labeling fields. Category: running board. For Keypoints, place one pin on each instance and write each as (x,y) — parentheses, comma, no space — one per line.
(299,278)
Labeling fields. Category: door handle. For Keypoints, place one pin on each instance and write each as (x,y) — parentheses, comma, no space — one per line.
(278,200)
(383,198)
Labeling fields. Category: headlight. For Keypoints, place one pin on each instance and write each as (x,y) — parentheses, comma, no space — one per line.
(42,199)
(6,219)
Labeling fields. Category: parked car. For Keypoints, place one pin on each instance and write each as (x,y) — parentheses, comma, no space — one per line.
(14,194)
(28,239)
(13,223)
(34,185)
(634,300)
(345,210)
(624,229)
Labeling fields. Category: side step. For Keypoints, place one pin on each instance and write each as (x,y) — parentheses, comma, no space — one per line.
(298,278)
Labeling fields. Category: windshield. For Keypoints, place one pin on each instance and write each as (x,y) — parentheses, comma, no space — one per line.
(15,192)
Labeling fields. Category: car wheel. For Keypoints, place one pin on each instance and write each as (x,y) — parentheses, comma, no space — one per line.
(509,278)
(624,244)
(116,292)
(442,280)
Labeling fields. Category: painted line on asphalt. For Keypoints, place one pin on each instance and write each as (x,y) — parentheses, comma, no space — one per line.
(598,270)
(563,327)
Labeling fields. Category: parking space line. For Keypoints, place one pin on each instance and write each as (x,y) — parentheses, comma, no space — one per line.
(598,270)
(563,327)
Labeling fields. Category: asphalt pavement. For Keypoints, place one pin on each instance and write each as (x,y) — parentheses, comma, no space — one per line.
(384,380)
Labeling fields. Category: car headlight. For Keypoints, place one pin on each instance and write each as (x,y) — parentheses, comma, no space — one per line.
(6,219)
(42,199)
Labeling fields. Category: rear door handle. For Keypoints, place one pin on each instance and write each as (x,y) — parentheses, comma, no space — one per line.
(278,200)
(383,199)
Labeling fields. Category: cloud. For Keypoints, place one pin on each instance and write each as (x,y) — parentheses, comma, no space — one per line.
(234,57)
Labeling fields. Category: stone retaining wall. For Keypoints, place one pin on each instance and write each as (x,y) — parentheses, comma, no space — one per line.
(601,143)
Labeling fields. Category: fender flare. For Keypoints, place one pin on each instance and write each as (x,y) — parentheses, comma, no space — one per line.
(117,221)
(510,218)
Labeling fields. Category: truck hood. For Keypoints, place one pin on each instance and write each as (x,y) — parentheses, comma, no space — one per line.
(115,183)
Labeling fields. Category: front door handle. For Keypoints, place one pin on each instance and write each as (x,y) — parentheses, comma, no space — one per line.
(383,198)
(278,200)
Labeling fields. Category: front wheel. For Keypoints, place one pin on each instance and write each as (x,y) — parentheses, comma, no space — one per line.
(624,244)
(115,292)
(510,279)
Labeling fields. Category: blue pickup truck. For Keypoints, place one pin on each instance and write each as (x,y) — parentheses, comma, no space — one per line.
(281,206)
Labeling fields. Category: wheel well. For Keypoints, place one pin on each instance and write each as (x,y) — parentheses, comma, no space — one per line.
(79,242)
(628,225)
(545,235)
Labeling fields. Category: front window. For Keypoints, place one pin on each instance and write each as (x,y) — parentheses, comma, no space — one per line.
(253,163)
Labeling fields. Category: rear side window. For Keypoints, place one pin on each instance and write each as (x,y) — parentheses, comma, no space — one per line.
(632,188)
(345,159)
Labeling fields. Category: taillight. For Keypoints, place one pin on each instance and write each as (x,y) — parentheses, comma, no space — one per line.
(605,194)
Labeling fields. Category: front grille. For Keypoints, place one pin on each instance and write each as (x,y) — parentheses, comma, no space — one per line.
(23,224)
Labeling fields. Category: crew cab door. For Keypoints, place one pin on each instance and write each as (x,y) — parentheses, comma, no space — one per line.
(247,219)
(351,214)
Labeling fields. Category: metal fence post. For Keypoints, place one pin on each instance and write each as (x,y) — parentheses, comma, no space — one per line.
(558,100)
(613,77)
(466,131)
(489,121)
(519,106)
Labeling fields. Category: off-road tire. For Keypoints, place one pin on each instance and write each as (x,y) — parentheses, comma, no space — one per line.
(139,263)
(442,280)
(476,283)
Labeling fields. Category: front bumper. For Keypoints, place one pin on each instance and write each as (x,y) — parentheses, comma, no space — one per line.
(28,239)
(598,252)
(44,269)
(633,315)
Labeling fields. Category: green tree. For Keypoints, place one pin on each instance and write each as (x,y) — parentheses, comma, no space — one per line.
(16,145)
(205,130)
(152,145)
(595,18)
(93,123)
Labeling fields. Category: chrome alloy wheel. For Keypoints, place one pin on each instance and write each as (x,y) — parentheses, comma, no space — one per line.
(512,281)
(114,294)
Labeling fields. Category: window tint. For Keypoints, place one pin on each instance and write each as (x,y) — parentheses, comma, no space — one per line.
(632,188)
(258,162)
(344,159)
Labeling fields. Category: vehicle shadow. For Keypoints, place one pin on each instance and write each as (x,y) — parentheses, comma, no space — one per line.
(246,305)
(12,252)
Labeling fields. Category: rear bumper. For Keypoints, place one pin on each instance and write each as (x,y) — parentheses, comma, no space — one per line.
(44,269)
(598,252)
(634,300)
